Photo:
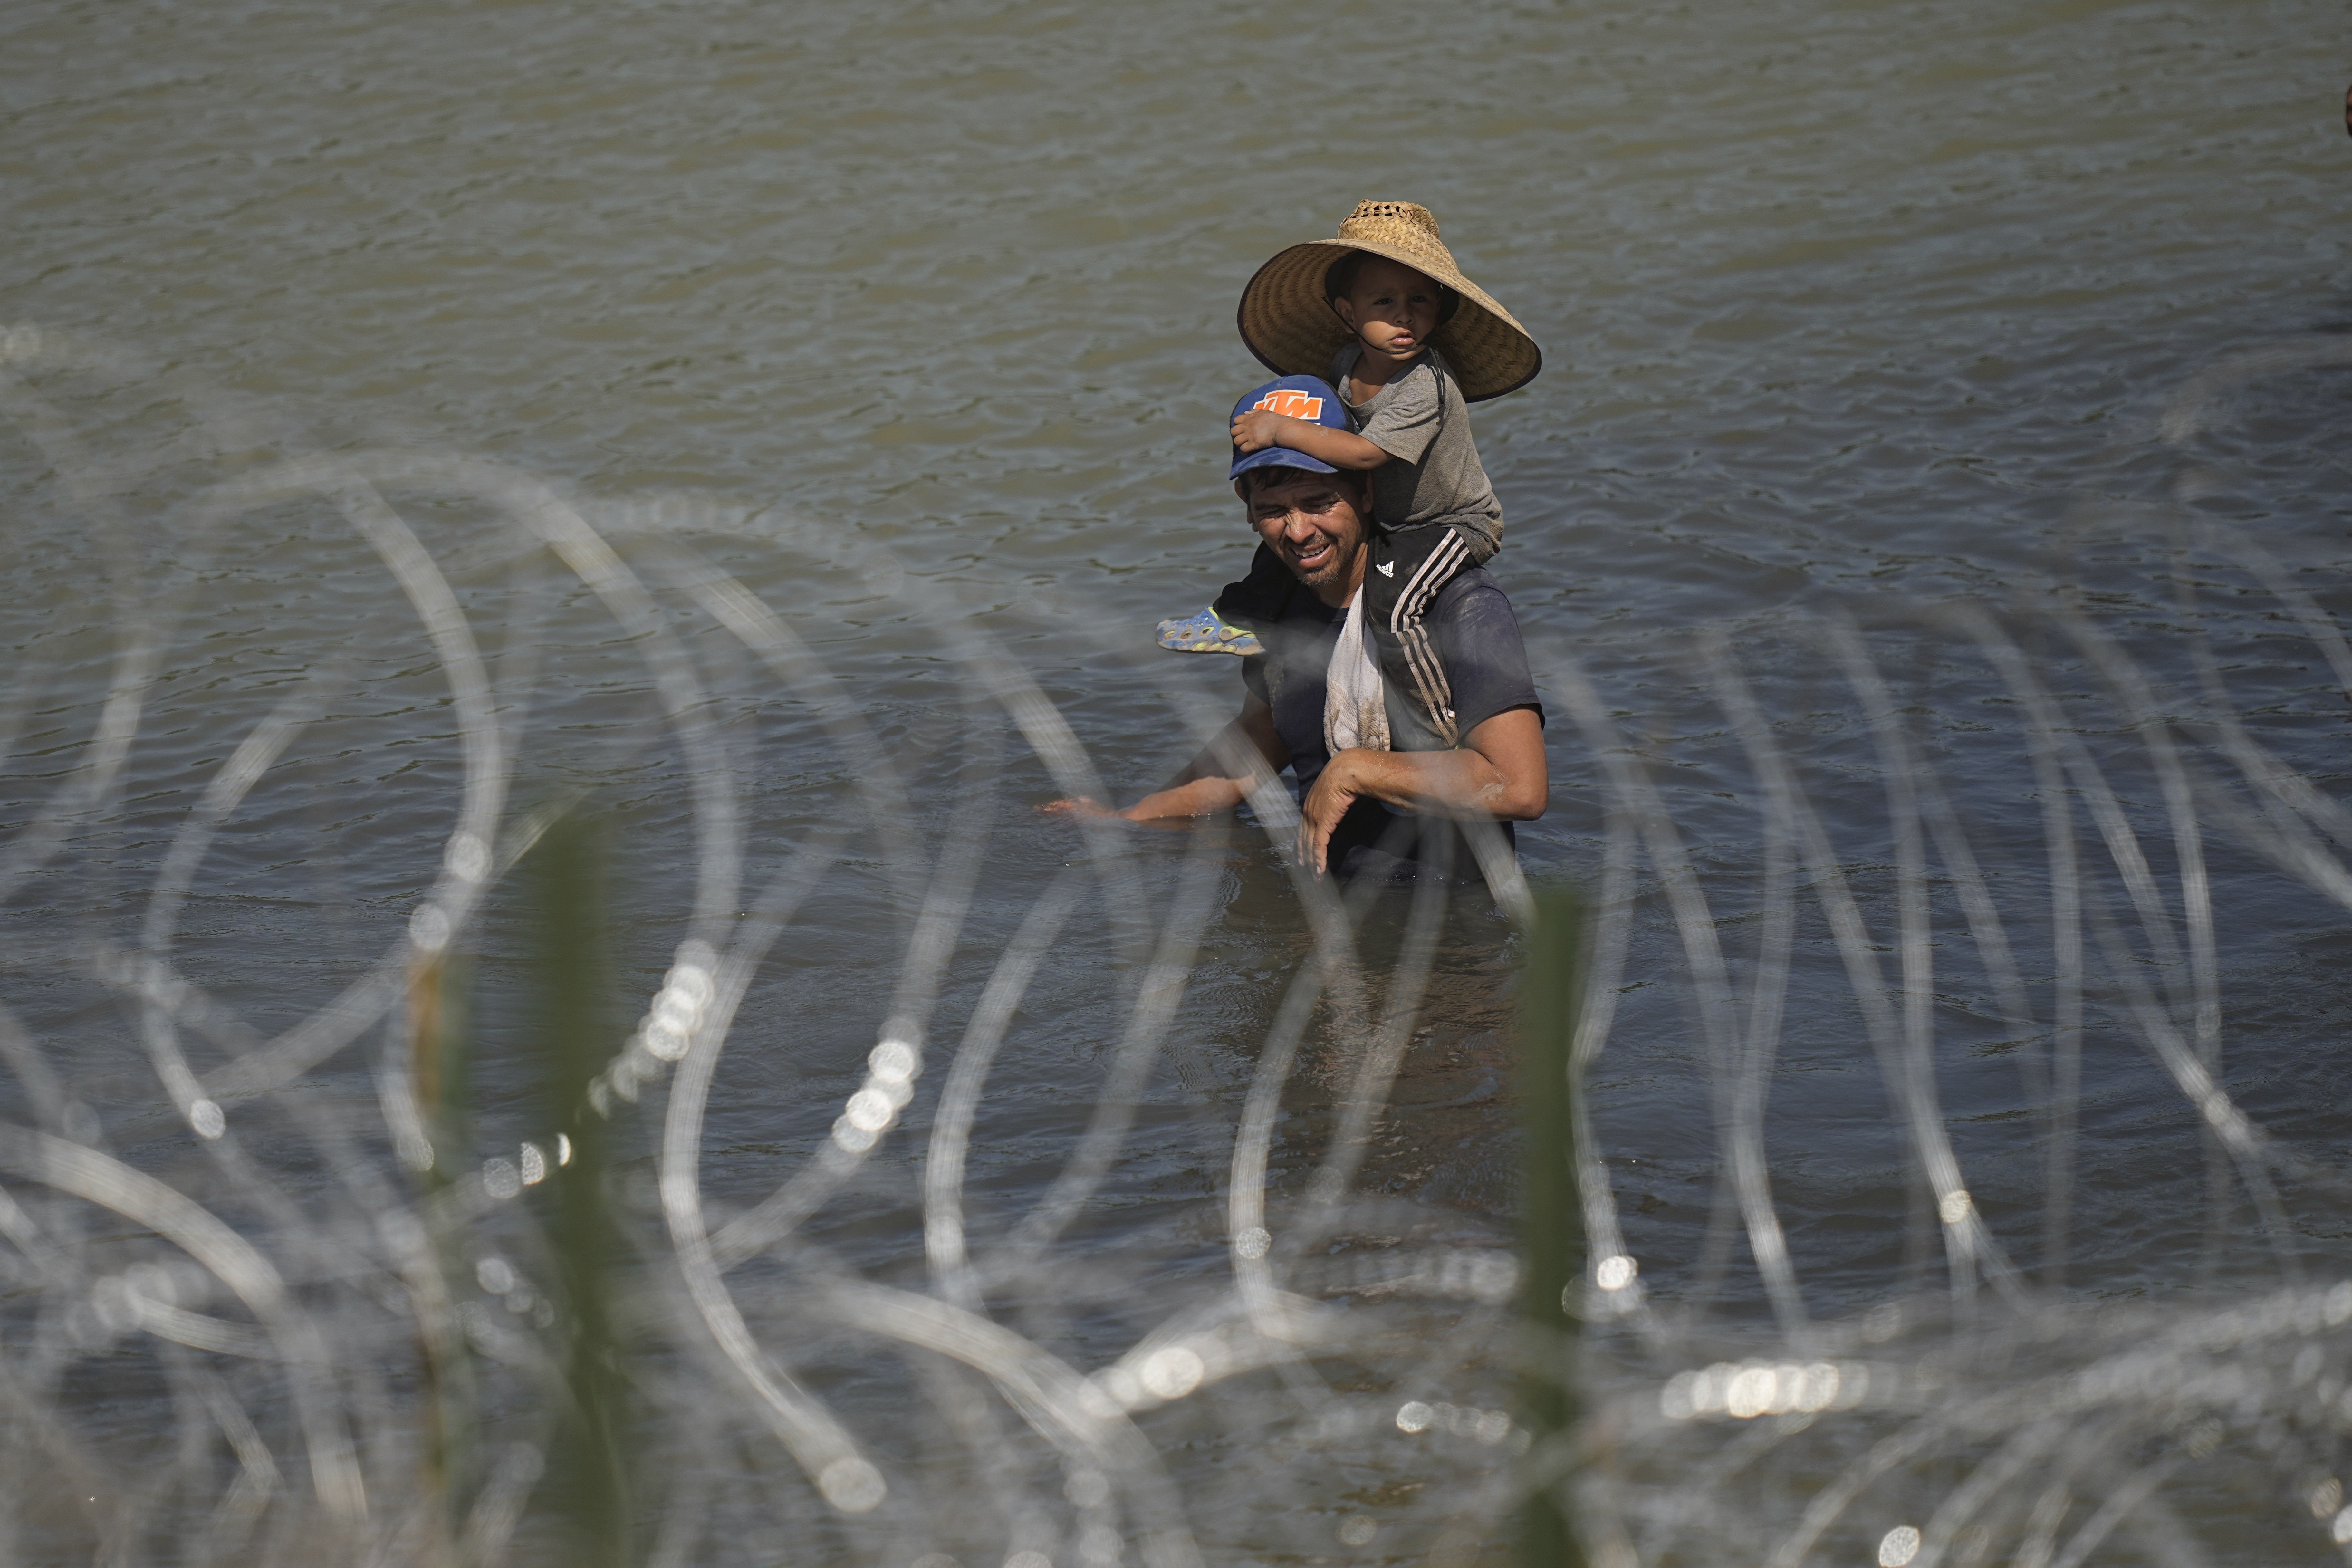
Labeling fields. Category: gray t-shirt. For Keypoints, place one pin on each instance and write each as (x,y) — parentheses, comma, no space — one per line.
(1433,474)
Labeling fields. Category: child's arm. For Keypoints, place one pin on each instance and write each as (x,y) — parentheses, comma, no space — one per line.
(1260,429)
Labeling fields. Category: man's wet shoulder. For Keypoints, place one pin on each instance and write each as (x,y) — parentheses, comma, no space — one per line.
(1474,593)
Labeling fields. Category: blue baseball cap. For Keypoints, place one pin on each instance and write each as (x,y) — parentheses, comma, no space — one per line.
(1301,397)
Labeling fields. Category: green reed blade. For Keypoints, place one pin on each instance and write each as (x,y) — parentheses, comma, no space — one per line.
(588,1472)
(439,1019)
(1551,1216)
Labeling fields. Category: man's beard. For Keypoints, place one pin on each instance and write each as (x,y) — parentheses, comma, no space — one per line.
(1333,570)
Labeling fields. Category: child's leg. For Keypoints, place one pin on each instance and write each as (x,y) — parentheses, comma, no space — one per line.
(1240,612)
(1257,600)
(1409,566)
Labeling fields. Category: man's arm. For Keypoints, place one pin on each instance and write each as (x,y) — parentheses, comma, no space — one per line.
(1244,752)
(1498,772)
(1260,429)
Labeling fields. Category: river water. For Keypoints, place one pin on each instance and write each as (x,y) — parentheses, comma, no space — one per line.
(916,319)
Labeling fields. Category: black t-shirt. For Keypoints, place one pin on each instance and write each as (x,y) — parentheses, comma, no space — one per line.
(1478,640)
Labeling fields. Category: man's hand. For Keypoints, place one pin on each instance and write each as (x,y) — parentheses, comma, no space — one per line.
(1149,812)
(1077,806)
(1336,788)
(1497,774)
(1219,779)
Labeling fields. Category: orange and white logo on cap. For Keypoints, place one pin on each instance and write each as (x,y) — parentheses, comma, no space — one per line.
(1289,400)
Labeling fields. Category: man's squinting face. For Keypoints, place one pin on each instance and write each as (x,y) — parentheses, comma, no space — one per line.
(1313,526)
(1392,309)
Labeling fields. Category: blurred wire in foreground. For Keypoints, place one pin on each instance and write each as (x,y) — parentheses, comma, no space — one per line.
(938,1199)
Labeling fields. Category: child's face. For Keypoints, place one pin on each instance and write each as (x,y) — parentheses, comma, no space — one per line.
(1392,308)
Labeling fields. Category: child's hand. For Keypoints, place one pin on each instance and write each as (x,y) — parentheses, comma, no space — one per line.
(1258,429)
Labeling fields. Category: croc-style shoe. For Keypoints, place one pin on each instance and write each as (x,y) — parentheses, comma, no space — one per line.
(1206,633)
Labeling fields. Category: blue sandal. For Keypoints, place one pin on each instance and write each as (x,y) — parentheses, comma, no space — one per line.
(1207,633)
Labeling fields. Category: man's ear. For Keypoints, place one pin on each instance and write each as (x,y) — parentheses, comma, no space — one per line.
(1345,308)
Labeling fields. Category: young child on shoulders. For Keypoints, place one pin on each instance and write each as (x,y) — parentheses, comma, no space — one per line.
(1384,315)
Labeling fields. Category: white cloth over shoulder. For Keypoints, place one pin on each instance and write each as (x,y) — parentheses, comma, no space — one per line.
(1355,705)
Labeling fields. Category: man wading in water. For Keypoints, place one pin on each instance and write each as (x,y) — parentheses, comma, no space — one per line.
(1380,788)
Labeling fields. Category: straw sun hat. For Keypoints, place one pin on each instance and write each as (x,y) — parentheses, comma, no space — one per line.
(1289,324)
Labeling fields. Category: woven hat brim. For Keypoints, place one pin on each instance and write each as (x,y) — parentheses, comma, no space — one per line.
(1286,322)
